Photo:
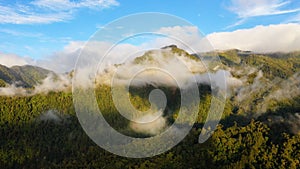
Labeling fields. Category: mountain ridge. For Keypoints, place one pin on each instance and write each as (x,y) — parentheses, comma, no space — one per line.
(24,76)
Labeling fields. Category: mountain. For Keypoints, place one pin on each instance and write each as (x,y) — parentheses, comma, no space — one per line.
(26,76)
(257,83)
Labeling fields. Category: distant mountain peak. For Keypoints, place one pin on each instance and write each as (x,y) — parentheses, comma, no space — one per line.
(169,46)
(167,52)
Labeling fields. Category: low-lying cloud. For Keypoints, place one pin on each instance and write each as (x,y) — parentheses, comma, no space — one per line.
(52,82)
(50,115)
(12,90)
(59,82)
(148,124)
(163,67)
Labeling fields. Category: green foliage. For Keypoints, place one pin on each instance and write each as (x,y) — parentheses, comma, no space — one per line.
(271,67)
(2,83)
(29,142)
(242,147)
(230,57)
(147,57)
(281,65)
(251,77)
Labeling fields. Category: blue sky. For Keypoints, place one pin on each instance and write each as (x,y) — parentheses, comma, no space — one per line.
(39,28)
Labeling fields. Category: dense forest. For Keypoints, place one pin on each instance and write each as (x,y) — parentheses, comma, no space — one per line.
(257,129)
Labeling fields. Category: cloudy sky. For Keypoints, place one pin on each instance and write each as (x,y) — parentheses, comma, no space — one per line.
(36,30)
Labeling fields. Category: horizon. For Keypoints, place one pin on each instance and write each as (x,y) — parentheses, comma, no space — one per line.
(214,51)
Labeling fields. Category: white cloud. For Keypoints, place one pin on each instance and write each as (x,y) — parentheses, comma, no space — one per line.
(16,15)
(12,60)
(185,37)
(62,5)
(189,35)
(62,61)
(153,125)
(56,5)
(46,11)
(246,8)
(294,19)
(60,82)
(12,90)
(272,38)
(50,115)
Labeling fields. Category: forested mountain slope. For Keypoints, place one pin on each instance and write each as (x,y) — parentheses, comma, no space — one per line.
(260,125)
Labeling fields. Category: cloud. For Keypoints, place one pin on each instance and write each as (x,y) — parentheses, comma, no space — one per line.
(272,38)
(51,115)
(91,52)
(292,83)
(60,82)
(12,91)
(17,15)
(188,38)
(61,5)
(48,11)
(13,60)
(162,68)
(149,124)
(246,8)
(62,61)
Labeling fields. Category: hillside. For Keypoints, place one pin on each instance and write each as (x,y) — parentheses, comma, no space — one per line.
(272,65)
(25,76)
(267,79)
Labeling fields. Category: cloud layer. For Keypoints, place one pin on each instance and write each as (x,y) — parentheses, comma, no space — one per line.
(272,38)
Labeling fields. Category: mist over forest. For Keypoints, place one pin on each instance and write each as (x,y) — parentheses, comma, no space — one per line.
(259,127)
